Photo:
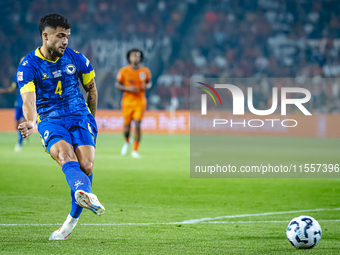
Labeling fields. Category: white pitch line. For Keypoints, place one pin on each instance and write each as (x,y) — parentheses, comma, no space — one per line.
(194,221)
(261,221)
(257,214)
(169,223)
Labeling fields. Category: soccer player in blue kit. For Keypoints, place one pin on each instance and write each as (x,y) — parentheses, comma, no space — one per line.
(18,115)
(49,79)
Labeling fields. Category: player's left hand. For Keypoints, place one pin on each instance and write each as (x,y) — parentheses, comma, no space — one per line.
(26,128)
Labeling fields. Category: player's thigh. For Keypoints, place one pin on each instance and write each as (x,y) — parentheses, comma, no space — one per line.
(62,152)
(84,134)
(83,130)
(127,114)
(52,132)
(85,155)
(137,124)
(127,128)
(138,114)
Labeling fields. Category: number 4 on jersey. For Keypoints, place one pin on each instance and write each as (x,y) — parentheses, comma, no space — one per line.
(59,89)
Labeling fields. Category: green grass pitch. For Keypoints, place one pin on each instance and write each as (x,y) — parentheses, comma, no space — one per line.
(157,189)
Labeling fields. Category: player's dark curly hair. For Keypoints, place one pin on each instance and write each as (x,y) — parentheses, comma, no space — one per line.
(54,21)
(135,50)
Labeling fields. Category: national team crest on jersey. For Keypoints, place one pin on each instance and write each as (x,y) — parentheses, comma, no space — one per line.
(20,76)
(142,76)
(70,69)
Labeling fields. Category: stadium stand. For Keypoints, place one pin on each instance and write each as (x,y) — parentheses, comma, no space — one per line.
(213,39)
(260,39)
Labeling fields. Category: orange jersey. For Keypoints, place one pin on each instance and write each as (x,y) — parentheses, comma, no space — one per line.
(129,77)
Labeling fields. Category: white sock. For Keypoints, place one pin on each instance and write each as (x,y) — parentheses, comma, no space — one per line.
(71,220)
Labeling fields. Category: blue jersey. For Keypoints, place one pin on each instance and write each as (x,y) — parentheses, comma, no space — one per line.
(56,83)
(18,99)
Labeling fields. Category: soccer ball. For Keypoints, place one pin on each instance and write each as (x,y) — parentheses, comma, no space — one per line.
(304,232)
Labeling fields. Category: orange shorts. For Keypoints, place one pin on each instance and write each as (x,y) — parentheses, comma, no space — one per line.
(132,113)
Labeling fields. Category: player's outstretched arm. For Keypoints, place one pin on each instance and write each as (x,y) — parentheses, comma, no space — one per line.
(92,96)
(30,114)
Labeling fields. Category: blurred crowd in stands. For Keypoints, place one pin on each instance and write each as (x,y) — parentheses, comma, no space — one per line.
(259,39)
(224,38)
(90,20)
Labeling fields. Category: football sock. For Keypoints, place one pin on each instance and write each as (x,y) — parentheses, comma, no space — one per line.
(76,179)
(77,209)
(127,139)
(90,177)
(20,139)
(135,146)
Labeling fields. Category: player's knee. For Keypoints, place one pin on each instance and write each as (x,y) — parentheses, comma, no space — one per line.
(137,125)
(127,128)
(86,166)
(65,156)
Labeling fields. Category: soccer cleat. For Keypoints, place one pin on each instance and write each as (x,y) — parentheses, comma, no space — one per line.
(17,147)
(125,148)
(135,154)
(65,230)
(89,201)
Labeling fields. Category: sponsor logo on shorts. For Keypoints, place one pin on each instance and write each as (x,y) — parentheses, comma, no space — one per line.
(46,134)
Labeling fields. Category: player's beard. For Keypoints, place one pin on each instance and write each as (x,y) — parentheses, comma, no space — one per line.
(135,64)
(56,52)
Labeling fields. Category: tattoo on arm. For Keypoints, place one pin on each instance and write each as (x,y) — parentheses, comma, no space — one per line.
(89,86)
(91,101)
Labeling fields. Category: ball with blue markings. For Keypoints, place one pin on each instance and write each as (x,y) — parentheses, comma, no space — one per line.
(304,232)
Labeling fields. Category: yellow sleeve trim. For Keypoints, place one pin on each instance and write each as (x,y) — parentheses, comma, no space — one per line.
(29,87)
(14,85)
(88,77)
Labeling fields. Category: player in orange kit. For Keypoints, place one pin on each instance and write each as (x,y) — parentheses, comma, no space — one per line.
(134,80)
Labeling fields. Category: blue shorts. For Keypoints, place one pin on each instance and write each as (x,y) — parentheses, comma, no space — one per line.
(18,113)
(75,130)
